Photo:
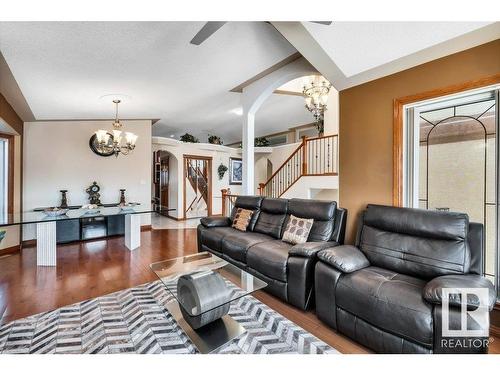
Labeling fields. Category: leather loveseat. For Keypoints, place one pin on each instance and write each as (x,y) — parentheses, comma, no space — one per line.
(287,269)
(386,292)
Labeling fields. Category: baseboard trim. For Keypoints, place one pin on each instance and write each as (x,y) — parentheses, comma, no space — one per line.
(175,218)
(28,243)
(10,250)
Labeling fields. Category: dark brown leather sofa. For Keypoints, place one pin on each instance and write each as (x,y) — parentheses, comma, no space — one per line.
(288,269)
(386,292)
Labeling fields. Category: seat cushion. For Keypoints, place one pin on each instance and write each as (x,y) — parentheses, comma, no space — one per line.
(236,244)
(270,258)
(390,301)
(212,237)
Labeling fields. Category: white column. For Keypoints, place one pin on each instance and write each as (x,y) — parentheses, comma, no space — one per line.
(248,153)
(132,231)
(46,244)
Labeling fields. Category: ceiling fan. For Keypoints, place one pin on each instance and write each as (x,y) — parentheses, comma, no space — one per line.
(212,26)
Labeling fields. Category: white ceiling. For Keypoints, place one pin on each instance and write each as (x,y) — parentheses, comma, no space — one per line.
(63,68)
(351,53)
(359,46)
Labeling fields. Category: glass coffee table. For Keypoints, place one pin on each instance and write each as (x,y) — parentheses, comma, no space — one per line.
(204,286)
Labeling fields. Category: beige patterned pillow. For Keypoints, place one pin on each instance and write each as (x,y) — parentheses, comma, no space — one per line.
(241,219)
(297,230)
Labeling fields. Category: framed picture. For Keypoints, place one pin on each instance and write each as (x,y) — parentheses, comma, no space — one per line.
(235,171)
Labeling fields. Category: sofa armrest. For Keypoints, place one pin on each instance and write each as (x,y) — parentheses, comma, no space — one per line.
(215,221)
(433,290)
(344,258)
(310,249)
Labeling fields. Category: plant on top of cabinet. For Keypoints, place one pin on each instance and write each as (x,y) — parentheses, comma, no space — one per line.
(213,139)
(188,138)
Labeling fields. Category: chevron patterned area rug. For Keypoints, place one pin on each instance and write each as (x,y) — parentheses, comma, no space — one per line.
(135,320)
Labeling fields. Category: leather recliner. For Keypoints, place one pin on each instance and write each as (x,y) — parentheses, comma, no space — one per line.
(386,292)
(287,269)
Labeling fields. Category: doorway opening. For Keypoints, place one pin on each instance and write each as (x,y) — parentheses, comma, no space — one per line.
(161,181)
(197,186)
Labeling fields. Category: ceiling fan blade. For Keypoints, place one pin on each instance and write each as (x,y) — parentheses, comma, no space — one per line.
(326,23)
(206,31)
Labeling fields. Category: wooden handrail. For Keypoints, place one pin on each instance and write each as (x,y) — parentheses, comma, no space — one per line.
(284,163)
(323,137)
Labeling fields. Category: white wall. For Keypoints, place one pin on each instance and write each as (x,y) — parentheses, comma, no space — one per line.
(331,116)
(177,149)
(314,187)
(57,156)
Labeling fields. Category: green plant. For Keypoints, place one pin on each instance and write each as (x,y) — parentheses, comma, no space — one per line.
(221,171)
(189,138)
(320,125)
(213,139)
(261,142)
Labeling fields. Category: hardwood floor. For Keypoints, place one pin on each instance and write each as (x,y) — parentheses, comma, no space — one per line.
(91,269)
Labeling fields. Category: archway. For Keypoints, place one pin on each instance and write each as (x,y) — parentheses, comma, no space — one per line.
(252,98)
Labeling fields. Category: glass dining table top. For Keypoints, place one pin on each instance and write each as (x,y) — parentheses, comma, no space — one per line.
(206,270)
(30,217)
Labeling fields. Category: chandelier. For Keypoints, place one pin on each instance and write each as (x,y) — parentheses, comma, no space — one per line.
(112,143)
(316,94)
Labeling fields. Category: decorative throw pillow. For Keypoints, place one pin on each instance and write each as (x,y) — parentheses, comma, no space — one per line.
(297,230)
(242,218)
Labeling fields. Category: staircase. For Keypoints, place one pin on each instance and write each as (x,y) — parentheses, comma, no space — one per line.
(198,181)
(313,157)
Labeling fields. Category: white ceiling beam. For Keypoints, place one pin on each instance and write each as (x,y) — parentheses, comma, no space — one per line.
(308,46)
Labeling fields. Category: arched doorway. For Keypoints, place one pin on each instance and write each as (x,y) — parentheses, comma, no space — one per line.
(161,181)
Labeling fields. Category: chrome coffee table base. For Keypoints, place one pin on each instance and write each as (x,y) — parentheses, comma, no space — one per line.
(210,337)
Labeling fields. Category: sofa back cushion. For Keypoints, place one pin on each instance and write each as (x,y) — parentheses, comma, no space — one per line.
(422,243)
(248,202)
(272,217)
(322,212)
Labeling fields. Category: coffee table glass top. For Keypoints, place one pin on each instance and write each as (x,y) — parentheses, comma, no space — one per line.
(204,282)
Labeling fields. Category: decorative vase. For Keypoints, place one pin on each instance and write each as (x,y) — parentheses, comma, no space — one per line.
(64,200)
(122,197)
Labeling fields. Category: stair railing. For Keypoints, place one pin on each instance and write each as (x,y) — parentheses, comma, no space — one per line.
(313,157)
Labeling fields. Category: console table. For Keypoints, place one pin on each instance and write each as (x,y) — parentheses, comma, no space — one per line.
(47,227)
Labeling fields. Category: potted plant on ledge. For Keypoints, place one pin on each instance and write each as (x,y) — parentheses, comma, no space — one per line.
(213,139)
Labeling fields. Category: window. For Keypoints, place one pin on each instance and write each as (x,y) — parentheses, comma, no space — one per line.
(4,175)
(277,140)
(310,132)
(451,152)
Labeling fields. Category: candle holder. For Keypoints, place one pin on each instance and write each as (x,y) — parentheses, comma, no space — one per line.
(64,200)
(122,197)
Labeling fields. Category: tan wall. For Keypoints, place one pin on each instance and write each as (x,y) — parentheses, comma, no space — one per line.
(14,125)
(366,122)
(8,114)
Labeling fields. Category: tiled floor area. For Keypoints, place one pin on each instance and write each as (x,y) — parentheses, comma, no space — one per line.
(163,222)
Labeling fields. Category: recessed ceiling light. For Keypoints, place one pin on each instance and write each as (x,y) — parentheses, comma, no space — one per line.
(172,135)
(122,97)
(237,111)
